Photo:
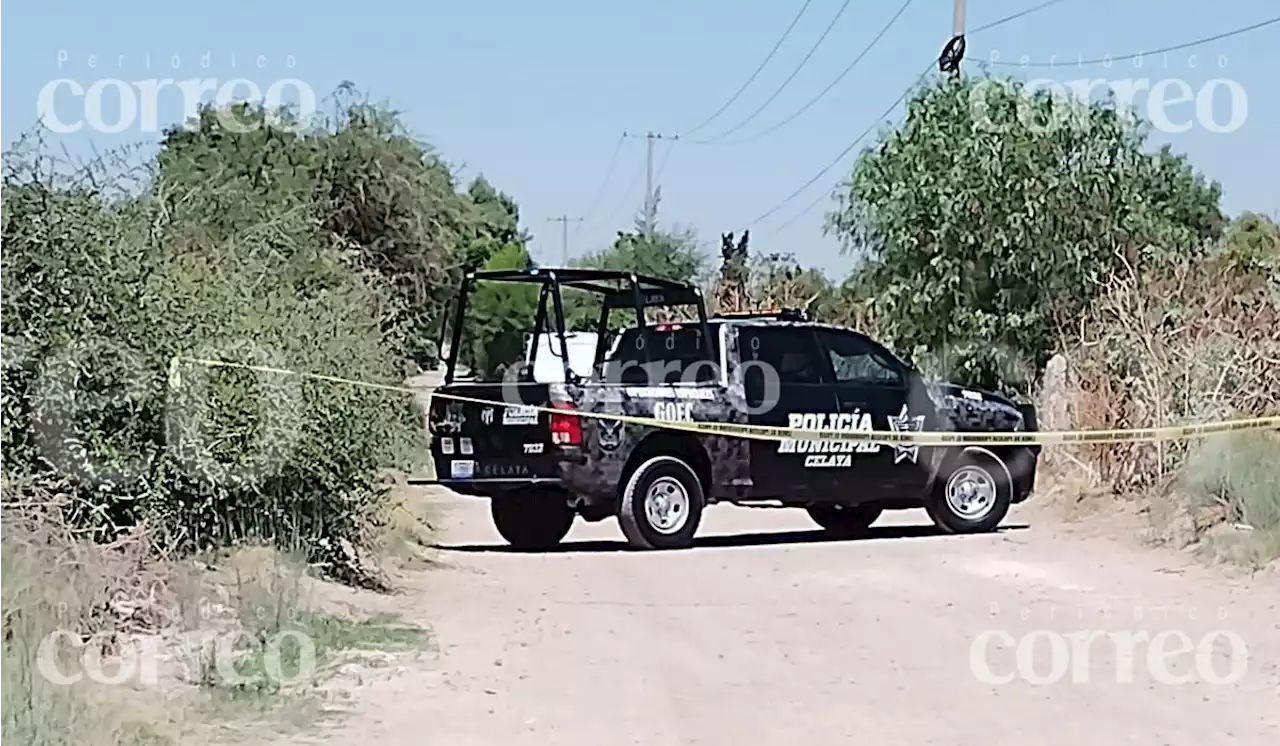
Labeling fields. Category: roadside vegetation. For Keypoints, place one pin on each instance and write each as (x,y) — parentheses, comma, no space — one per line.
(136,479)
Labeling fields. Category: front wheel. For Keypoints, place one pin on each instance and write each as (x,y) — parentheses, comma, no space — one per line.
(974,497)
(531,521)
(661,505)
(844,520)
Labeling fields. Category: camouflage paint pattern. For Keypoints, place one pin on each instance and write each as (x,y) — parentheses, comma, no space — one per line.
(608,446)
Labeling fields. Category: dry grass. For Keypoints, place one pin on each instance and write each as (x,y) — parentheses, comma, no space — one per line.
(405,542)
(55,579)
(1199,344)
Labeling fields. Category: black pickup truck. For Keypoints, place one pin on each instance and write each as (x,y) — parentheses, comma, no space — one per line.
(534,450)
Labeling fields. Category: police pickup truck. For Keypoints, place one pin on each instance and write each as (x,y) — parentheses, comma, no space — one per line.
(547,453)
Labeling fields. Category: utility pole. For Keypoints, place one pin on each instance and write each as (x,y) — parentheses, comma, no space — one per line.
(650,197)
(953,52)
(564,221)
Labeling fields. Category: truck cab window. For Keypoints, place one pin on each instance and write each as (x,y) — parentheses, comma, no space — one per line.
(854,360)
(661,354)
(789,351)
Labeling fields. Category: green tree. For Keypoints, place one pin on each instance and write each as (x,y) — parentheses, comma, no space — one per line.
(1252,243)
(671,255)
(499,315)
(386,198)
(992,217)
(493,223)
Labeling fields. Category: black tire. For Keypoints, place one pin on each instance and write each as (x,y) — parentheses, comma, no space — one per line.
(532,521)
(676,476)
(844,520)
(983,471)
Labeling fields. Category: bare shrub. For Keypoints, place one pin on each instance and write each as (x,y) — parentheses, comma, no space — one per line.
(1196,343)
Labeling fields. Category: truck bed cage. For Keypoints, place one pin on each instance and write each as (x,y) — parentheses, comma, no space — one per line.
(614,285)
(777,314)
(618,289)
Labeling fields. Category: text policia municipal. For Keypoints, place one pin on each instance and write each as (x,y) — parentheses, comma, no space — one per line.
(839,453)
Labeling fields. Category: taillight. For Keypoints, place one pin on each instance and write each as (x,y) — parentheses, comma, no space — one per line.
(566,429)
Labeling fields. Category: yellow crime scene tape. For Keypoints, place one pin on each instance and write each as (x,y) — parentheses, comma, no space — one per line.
(764,432)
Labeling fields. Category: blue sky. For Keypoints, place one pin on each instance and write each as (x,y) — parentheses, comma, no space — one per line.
(536,94)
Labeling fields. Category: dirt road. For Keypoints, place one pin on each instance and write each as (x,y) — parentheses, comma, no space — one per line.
(768,634)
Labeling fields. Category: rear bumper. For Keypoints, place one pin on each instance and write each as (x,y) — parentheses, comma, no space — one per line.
(488,487)
(484,482)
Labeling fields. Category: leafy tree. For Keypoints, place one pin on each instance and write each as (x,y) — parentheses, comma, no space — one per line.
(671,255)
(372,187)
(665,254)
(1252,244)
(493,223)
(992,216)
(386,198)
(499,315)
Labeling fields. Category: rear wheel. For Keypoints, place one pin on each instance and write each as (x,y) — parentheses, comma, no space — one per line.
(974,497)
(661,505)
(844,520)
(532,520)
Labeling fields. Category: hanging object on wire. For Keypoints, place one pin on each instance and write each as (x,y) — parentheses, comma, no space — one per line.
(952,54)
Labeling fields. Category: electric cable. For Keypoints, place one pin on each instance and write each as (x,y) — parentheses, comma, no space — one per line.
(821,94)
(835,161)
(998,22)
(608,175)
(758,69)
(1015,16)
(807,209)
(812,50)
(1133,56)
(626,194)
(662,165)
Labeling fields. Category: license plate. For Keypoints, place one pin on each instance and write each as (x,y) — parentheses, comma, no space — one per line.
(462,469)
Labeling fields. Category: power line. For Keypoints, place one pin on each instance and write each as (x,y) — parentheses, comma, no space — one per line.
(648,174)
(1135,55)
(808,208)
(626,194)
(758,69)
(900,99)
(608,175)
(662,165)
(785,83)
(1016,16)
(650,196)
(821,196)
(847,150)
(865,50)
